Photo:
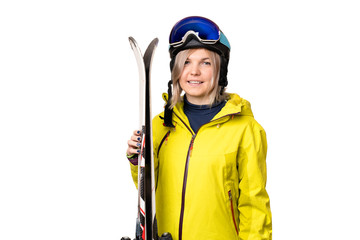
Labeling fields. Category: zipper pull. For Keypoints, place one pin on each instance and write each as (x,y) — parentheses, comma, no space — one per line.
(167,137)
(192,144)
(232,211)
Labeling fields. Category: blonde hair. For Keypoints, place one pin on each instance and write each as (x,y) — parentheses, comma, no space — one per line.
(214,94)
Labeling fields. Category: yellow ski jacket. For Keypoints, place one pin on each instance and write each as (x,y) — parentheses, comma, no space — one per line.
(210,184)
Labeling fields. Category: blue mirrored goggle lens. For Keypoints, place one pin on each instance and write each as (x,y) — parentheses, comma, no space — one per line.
(205,28)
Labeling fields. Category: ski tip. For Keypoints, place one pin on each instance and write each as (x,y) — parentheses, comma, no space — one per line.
(155,41)
(132,40)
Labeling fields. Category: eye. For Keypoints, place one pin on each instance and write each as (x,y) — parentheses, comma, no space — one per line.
(208,63)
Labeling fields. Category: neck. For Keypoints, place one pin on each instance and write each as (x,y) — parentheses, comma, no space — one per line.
(198,101)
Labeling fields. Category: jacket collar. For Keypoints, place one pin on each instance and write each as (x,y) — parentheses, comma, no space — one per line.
(235,105)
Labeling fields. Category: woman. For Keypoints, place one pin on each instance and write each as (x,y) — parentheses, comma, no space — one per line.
(209,151)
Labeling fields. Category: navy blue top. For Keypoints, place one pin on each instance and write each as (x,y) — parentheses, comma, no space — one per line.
(198,115)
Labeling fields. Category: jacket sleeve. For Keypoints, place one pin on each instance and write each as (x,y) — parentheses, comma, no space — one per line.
(253,202)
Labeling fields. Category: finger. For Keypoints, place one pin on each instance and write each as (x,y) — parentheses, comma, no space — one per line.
(133,148)
(131,151)
(137,132)
(136,138)
(134,144)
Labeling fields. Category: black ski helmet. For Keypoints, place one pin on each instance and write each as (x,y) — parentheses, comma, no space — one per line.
(197,32)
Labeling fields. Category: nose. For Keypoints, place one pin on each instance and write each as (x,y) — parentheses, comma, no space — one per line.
(195,70)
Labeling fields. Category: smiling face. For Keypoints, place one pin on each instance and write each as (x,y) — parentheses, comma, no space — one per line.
(197,77)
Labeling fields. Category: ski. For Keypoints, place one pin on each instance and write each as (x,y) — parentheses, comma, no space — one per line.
(146,225)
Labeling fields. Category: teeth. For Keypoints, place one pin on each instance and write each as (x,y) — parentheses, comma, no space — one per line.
(194,82)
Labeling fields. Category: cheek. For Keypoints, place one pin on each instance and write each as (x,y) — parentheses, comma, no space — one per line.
(181,85)
(182,79)
(209,75)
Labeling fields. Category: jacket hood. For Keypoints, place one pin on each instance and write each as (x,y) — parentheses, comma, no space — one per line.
(234,105)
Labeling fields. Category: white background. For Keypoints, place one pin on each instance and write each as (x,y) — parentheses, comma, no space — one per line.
(68,104)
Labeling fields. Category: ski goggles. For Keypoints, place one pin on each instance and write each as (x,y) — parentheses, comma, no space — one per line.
(204,29)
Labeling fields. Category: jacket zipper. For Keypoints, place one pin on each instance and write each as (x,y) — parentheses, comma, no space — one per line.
(232,211)
(186,173)
(184,186)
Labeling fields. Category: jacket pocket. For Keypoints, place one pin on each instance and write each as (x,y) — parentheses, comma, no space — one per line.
(232,211)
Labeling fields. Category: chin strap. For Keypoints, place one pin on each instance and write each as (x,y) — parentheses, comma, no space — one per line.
(168,110)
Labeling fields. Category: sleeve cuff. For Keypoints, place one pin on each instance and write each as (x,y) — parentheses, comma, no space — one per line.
(133,159)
